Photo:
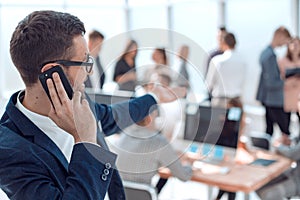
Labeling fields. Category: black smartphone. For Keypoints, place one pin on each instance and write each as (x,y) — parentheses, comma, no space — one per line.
(48,74)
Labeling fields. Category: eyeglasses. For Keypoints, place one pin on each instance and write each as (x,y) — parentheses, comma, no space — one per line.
(68,63)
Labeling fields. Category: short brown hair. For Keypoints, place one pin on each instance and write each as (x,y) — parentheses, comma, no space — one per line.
(94,34)
(230,40)
(282,30)
(40,37)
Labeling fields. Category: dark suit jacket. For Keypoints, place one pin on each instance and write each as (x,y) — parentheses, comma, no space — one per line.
(270,88)
(33,167)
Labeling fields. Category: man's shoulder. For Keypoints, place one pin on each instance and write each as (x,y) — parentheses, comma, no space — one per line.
(219,59)
(10,138)
(215,52)
(267,52)
(238,57)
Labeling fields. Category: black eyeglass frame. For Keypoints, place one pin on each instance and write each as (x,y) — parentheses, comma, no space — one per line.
(68,63)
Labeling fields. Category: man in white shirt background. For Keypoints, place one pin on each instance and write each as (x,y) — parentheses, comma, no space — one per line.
(226,74)
(225,79)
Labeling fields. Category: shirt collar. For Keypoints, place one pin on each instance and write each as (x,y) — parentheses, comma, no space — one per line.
(61,138)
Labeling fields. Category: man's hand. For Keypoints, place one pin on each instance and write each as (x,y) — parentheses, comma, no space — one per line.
(166,94)
(74,116)
(84,119)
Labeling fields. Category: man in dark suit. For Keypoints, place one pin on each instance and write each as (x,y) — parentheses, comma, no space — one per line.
(55,149)
(183,76)
(97,78)
(270,88)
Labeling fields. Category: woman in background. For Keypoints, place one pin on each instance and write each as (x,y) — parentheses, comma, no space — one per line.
(292,58)
(159,56)
(290,61)
(160,66)
(125,71)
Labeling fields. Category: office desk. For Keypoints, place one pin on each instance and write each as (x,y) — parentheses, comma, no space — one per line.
(241,177)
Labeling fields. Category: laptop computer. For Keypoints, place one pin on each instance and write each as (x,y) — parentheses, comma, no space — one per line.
(213,127)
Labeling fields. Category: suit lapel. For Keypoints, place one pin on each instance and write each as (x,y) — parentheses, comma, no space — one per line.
(31,132)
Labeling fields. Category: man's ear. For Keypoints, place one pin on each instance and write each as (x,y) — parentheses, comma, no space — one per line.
(48,66)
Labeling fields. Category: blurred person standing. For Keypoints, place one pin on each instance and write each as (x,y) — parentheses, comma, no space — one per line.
(159,57)
(170,113)
(217,51)
(291,61)
(125,71)
(160,65)
(292,57)
(182,76)
(223,88)
(270,88)
(221,85)
(97,78)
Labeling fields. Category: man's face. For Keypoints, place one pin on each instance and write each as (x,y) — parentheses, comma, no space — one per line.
(78,74)
(184,52)
(220,37)
(283,40)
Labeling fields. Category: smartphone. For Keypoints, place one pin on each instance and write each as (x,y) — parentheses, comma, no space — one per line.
(48,74)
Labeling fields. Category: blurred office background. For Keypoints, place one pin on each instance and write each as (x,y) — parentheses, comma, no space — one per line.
(252,22)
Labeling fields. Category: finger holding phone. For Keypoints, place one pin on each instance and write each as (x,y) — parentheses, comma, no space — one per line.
(69,111)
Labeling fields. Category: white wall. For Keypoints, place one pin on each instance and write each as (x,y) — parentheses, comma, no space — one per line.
(253,23)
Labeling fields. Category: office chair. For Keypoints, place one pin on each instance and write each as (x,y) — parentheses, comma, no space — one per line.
(138,191)
(260,139)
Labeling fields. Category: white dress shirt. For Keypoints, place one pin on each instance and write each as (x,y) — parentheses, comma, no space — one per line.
(61,138)
(226,75)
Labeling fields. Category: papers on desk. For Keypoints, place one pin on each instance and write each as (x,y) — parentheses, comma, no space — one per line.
(207,168)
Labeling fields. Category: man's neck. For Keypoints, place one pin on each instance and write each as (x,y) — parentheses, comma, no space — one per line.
(36,100)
